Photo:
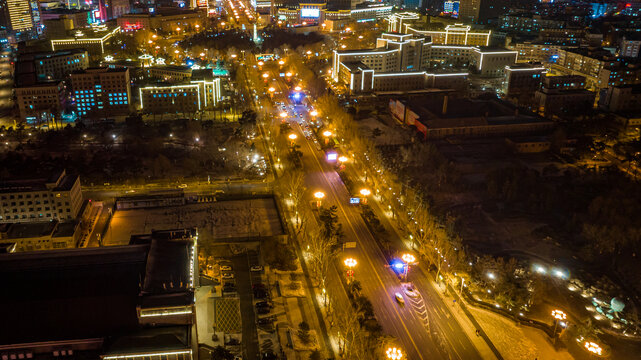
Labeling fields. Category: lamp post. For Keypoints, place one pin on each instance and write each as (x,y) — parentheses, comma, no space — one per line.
(350,263)
(327,135)
(319,195)
(409,259)
(558,315)
(394,353)
(292,138)
(365,193)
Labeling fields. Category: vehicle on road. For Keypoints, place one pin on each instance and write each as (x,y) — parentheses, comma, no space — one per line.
(182,186)
(399,298)
(225,268)
(228,275)
(256,268)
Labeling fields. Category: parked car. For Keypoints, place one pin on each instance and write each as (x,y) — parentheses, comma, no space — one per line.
(225,268)
(263,304)
(265,321)
(260,294)
(263,310)
(228,275)
(256,268)
(258,286)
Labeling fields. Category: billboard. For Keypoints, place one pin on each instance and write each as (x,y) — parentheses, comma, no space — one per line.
(310,13)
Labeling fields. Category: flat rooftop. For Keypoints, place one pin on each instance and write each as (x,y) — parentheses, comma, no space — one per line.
(89,293)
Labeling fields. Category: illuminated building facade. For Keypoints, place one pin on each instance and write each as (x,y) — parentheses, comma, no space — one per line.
(22,19)
(92,40)
(56,198)
(200,93)
(457,34)
(100,92)
(396,22)
(56,65)
(522,80)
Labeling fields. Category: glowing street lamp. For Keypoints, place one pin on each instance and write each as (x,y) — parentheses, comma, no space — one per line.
(558,315)
(292,137)
(313,113)
(265,76)
(298,88)
(342,160)
(288,74)
(365,193)
(283,115)
(260,63)
(409,259)
(271,89)
(281,62)
(350,263)
(319,195)
(394,354)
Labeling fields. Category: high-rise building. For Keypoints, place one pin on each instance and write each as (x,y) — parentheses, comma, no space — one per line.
(481,11)
(21,18)
(100,92)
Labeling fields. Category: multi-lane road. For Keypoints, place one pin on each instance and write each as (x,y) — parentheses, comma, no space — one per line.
(413,324)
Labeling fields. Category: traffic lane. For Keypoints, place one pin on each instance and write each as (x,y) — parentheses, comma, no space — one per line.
(379,286)
(440,312)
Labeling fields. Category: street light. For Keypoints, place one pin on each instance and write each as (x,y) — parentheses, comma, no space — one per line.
(558,315)
(271,89)
(313,113)
(409,259)
(292,137)
(265,75)
(281,62)
(298,88)
(394,354)
(319,195)
(327,133)
(283,114)
(365,193)
(350,263)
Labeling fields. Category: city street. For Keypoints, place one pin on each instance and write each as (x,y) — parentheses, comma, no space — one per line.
(410,323)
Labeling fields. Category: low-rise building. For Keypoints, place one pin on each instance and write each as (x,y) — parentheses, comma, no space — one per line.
(165,19)
(440,116)
(93,40)
(564,82)
(492,61)
(56,198)
(38,236)
(200,93)
(115,302)
(42,102)
(169,73)
(564,103)
(620,99)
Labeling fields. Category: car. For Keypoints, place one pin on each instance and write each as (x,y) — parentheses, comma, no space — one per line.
(182,186)
(265,321)
(225,268)
(256,268)
(258,286)
(260,294)
(263,304)
(399,298)
(228,275)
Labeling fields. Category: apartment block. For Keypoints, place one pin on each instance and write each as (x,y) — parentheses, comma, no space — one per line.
(101,91)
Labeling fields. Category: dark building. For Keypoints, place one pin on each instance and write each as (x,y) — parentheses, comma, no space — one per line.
(111,302)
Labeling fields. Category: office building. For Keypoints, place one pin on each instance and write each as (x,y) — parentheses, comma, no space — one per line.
(42,102)
(482,11)
(537,52)
(600,67)
(530,23)
(54,65)
(57,198)
(93,40)
(396,22)
(163,19)
(100,92)
(491,61)
(630,45)
(555,103)
(201,92)
(622,99)
(522,80)
(116,302)
(169,73)
(457,34)
(21,18)
(564,82)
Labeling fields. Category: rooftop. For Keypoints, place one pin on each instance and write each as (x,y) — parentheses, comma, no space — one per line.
(93,292)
